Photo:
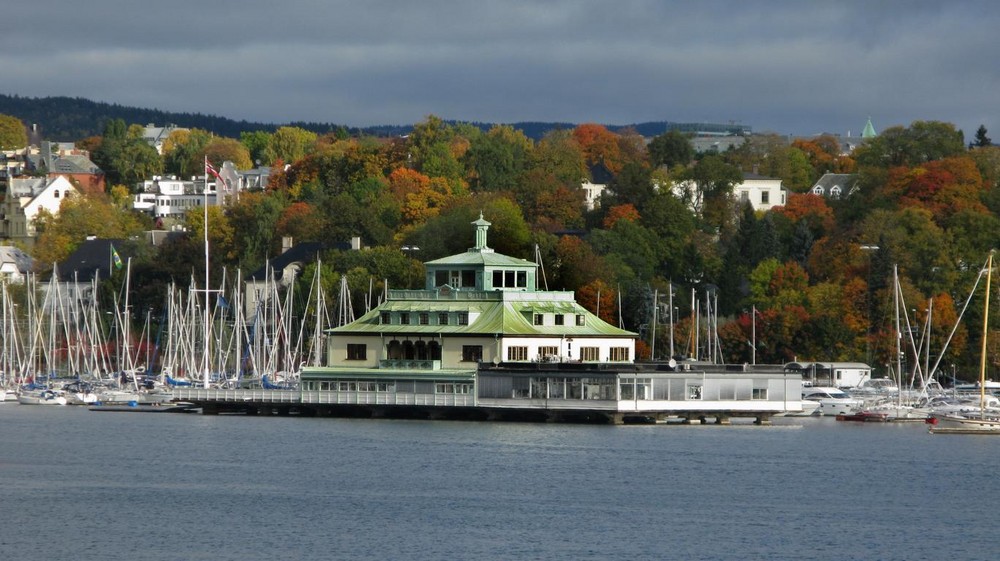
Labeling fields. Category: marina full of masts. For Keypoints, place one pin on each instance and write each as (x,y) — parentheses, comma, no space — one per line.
(59,346)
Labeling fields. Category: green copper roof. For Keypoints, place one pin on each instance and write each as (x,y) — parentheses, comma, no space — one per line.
(487,259)
(508,318)
(869,131)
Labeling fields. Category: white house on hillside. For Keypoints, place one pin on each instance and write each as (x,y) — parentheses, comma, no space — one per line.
(25,198)
(763,193)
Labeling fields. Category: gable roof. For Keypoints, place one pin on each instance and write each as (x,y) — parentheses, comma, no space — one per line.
(20,259)
(300,253)
(90,258)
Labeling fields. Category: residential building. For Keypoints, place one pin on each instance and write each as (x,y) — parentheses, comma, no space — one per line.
(25,198)
(156,136)
(172,197)
(763,193)
(14,264)
(835,185)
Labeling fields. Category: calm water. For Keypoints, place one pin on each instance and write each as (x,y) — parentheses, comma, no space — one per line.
(83,485)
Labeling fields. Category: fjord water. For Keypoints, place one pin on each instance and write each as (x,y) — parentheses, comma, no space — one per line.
(84,485)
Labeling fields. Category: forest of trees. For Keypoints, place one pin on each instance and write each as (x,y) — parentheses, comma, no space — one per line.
(818,272)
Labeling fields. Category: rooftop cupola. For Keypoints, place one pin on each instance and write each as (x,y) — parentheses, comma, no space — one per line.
(481,227)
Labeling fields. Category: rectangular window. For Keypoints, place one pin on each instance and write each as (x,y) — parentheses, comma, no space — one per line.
(508,279)
(440,278)
(497,279)
(444,388)
(590,354)
(744,196)
(548,354)
(517,354)
(386,318)
(626,389)
(759,393)
(367,386)
(386,387)
(539,319)
(472,353)
(469,279)
(463,318)
(404,318)
(357,352)
(581,320)
(424,318)
(694,391)
(765,197)
(619,354)
(559,319)
(522,279)
(443,318)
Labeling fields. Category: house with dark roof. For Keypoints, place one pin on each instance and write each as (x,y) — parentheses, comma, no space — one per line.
(835,185)
(14,264)
(282,270)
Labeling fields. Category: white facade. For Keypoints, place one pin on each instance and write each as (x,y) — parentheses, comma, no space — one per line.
(763,193)
(592,193)
(27,197)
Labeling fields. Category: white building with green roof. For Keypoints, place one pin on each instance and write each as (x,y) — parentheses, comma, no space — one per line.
(481,341)
(478,306)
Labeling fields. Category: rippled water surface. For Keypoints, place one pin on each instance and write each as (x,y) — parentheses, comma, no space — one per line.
(78,484)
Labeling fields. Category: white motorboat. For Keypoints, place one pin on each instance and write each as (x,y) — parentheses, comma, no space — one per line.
(832,401)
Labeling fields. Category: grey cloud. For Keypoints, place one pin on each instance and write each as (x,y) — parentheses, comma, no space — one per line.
(789,66)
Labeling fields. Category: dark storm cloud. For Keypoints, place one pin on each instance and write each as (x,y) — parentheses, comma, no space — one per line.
(793,67)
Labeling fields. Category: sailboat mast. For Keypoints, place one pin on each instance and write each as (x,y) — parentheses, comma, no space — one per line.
(982,354)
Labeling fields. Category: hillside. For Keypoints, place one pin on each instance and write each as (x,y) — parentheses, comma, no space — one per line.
(72,118)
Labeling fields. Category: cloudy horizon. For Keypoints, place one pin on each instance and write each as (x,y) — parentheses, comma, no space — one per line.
(784,66)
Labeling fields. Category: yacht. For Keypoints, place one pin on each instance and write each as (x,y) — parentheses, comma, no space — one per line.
(832,401)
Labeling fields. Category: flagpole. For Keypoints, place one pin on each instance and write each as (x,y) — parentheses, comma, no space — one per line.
(205,228)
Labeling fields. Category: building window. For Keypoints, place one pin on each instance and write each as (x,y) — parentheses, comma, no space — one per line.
(440,278)
(404,318)
(367,386)
(694,391)
(469,279)
(590,354)
(619,354)
(444,388)
(357,352)
(559,319)
(517,354)
(443,318)
(548,353)
(765,197)
(472,353)
(386,387)
(744,196)
(497,279)
(522,279)
(508,279)
(424,318)
(539,319)
(581,320)
(759,393)
(463,318)
(386,318)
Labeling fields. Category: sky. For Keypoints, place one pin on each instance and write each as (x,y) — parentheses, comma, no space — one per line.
(788,66)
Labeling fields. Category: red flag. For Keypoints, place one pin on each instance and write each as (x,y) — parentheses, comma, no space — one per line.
(211,170)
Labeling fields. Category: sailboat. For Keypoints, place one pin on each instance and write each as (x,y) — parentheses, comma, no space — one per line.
(980,423)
